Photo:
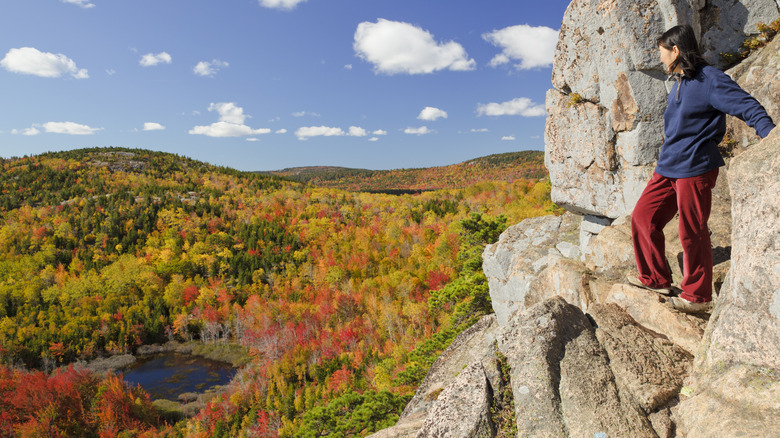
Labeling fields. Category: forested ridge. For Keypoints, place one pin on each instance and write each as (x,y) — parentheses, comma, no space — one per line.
(505,167)
(344,299)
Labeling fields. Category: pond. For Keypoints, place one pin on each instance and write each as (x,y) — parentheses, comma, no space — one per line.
(167,375)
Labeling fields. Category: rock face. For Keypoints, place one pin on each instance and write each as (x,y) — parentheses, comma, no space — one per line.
(738,371)
(463,408)
(726,23)
(564,372)
(444,384)
(513,265)
(649,367)
(605,122)
(475,344)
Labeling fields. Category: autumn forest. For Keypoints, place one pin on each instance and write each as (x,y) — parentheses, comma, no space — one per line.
(340,298)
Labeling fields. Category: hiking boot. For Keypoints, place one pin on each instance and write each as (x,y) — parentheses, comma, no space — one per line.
(669,291)
(685,306)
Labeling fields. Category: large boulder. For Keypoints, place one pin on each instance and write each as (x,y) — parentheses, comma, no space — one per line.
(561,378)
(737,376)
(653,312)
(463,408)
(605,118)
(605,122)
(726,24)
(523,251)
(474,346)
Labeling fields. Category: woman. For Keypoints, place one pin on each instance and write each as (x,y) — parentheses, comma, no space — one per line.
(687,168)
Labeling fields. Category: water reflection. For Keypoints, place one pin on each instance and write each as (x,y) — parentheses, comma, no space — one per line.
(167,375)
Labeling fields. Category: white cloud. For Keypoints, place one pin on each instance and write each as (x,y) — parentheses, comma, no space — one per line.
(282,131)
(252,139)
(532,46)
(230,124)
(31,61)
(280,4)
(83,3)
(225,129)
(396,47)
(151,126)
(69,128)
(422,130)
(355,131)
(151,59)
(522,106)
(432,114)
(209,69)
(379,132)
(480,130)
(27,131)
(110,72)
(373,139)
(348,67)
(508,138)
(229,112)
(306,132)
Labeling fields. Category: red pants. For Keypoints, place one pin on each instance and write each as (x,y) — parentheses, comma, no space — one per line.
(661,199)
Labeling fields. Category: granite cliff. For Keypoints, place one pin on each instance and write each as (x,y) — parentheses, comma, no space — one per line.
(582,353)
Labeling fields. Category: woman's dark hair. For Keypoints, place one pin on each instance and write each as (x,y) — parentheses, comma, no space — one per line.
(684,38)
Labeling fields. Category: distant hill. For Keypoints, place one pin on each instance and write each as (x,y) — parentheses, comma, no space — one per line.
(507,167)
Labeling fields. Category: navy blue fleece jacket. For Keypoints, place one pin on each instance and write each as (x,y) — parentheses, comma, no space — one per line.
(695,122)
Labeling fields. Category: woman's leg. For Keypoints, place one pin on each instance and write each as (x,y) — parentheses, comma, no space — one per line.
(695,202)
(655,208)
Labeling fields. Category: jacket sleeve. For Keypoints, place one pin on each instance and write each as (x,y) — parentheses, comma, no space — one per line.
(727,96)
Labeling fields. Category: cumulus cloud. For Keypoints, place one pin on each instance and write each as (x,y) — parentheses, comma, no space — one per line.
(225,129)
(280,4)
(373,139)
(252,139)
(209,69)
(27,131)
(422,130)
(282,131)
(532,46)
(355,131)
(150,59)
(83,3)
(379,132)
(432,114)
(31,61)
(68,128)
(230,124)
(229,112)
(306,132)
(508,138)
(522,106)
(396,47)
(480,130)
(151,126)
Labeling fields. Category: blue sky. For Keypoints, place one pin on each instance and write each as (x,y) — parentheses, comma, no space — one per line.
(270,84)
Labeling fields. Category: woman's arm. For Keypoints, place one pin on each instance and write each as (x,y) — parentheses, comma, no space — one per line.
(727,96)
